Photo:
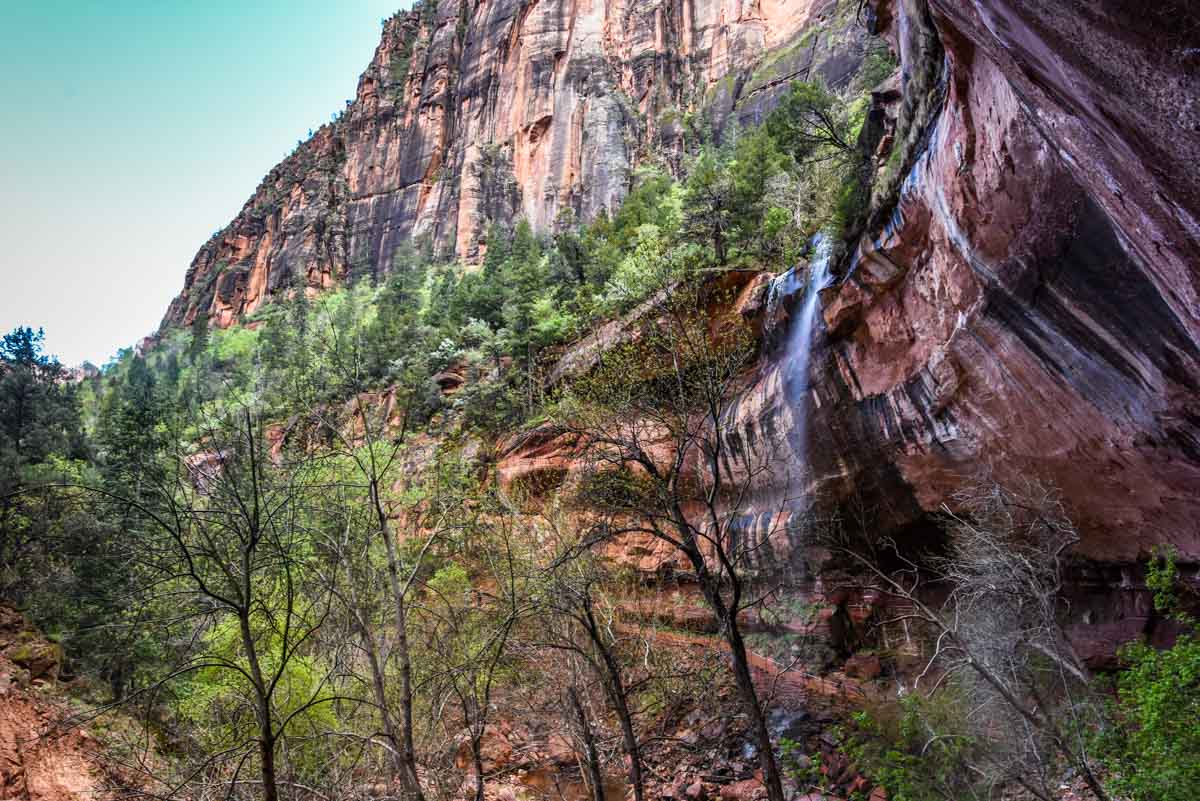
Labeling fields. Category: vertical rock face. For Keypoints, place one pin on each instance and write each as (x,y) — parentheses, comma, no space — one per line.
(1029,304)
(1030,307)
(472,112)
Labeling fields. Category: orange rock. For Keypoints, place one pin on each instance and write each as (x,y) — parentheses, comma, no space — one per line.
(746,790)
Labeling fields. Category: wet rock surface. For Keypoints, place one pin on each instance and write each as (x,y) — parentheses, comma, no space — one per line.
(1024,321)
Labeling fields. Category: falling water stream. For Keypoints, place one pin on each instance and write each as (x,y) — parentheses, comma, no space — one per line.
(803,328)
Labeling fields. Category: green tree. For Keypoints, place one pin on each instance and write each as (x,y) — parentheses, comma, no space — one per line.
(759,225)
(134,437)
(708,204)
(811,124)
(397,333)
(226,535)
(39,429)
(199,341)
(1153,746)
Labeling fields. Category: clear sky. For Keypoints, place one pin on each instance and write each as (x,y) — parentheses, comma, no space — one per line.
(131,130)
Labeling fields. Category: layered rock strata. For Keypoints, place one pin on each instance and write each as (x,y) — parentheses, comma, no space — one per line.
(476,112)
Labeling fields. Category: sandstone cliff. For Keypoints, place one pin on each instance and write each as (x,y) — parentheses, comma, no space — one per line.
(1026,300)
(472,112)
(1030,305)
(1024,305)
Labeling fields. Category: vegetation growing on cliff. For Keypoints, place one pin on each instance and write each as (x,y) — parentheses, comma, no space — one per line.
(289,545)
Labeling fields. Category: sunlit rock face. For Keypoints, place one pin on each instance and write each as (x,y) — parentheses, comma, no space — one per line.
(492,111)
(1030,308)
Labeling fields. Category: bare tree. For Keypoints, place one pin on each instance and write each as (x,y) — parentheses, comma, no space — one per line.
(587,735)
(365,433)
(574,593)
(226,539)
(995,634)
(651,423)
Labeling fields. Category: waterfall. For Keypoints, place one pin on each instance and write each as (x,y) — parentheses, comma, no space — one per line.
(802,334)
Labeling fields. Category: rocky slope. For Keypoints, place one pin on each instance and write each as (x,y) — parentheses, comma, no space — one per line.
(472,112)
(42,756)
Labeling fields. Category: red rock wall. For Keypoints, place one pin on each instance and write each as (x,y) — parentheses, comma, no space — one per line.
(1030,307)
(507,108)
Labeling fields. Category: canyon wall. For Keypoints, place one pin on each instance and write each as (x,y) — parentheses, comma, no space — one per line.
(1030,306)
(1025,303)
(475,112)
(1027,308)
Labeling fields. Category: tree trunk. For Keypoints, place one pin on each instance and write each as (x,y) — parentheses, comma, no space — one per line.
(758,721)
(629,737)
(477,755)
(727,614)
(378,685)
(266,731)
(408,752)
(616,691)
(266,749)
(589,743)
(406,694)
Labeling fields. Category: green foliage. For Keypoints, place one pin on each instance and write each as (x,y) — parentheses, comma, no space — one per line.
(400,61)
(922,753)
(1162,576)
(50,527)
(811,123)
(199,342)
(918,749)
(878,64)
(709,211)
(39,414)
(762,195)
(1152,747)
(41,443)
(213,698)
(551,323)
(646,268)
(234,346)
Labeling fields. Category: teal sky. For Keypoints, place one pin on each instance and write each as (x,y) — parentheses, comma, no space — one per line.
(133,130)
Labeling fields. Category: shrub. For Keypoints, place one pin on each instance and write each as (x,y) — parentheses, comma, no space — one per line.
(918,750)
(1153,744)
